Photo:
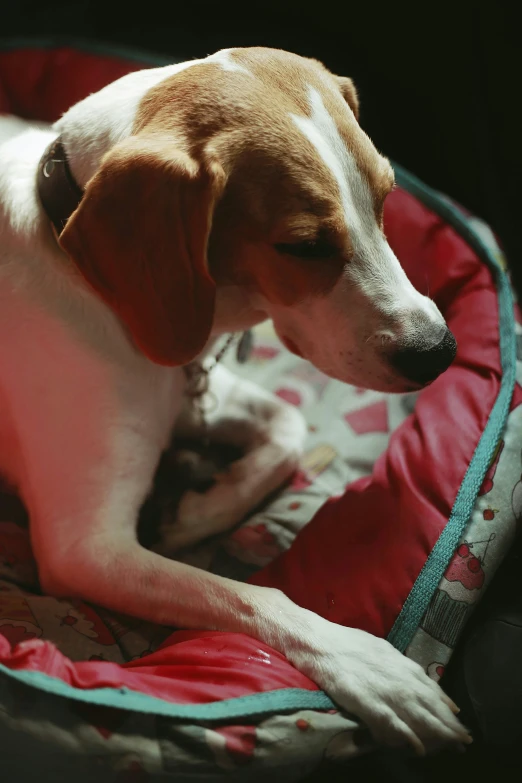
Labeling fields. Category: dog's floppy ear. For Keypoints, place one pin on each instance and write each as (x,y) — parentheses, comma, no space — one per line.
(139,237)
(349,94)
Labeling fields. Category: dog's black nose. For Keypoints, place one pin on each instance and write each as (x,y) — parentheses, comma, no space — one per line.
(424,365)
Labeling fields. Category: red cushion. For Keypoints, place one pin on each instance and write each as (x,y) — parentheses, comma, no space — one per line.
(41,84)
(356,561)
(191,667)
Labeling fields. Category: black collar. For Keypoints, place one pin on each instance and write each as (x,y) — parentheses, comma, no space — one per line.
(58,190)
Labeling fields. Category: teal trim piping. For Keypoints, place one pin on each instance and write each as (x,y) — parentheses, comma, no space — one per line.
(428,580)
(284,700)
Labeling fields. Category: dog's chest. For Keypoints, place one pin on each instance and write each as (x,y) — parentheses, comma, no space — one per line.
(64,361)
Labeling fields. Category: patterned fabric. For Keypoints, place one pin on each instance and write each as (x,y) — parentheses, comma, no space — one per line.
(492,527)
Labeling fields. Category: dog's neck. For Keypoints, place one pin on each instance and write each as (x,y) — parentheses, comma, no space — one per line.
(93,126)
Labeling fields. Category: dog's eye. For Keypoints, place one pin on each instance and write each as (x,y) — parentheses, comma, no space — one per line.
(310,249)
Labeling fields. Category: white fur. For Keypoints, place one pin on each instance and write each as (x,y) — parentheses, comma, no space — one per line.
(373,285)
(84,418)
(227,63)
(94,125)
(388,283)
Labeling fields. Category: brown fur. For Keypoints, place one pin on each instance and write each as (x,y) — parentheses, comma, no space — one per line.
(155,279)
(150,259)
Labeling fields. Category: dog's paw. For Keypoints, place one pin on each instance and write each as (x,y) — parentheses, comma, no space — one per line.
(391,694)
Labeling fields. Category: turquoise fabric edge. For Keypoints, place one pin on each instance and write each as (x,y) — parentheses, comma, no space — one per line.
(255,705)
(415,606)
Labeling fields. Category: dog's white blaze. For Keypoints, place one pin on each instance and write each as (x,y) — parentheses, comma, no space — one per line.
(227,63)
(376,270)
(321,130)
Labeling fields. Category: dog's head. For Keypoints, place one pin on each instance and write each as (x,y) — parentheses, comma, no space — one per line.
(248,190)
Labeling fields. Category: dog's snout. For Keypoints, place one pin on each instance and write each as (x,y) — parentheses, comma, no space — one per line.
(422,365)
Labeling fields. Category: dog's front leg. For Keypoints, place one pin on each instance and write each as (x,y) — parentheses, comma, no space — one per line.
(87,470)
(364,675)
(268,431)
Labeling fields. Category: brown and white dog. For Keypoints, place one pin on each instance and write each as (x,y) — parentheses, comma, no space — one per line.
(217,193)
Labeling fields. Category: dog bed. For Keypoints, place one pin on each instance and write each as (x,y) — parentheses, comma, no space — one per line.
(402,510)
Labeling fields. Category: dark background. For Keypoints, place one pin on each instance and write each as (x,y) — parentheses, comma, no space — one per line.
(439,81)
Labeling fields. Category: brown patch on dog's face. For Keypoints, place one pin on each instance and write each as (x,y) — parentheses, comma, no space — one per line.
(279,227)
(277,236)
(296,230)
